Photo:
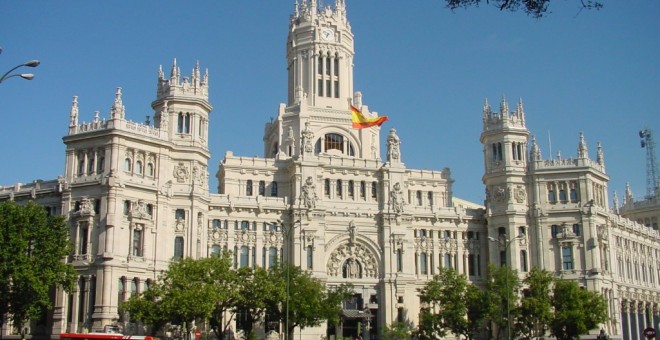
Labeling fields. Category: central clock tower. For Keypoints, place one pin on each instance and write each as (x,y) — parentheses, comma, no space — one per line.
(320,56)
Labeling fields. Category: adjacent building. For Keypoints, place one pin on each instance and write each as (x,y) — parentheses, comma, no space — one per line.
(331,199)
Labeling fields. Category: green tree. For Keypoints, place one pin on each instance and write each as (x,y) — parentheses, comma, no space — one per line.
(536,304)
(309,302)
(577,310)
(398,331)
(453,305)
(533,8)
(501,298)
(190,290)
(259,291)
(32,251)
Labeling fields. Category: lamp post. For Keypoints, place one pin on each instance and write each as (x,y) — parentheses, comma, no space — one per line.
(504,242)
(287,238)
(27,76)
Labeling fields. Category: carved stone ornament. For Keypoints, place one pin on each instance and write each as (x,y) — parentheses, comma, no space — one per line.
(602,232)
(139,210)
(352,261)
(499,194)
(180,224)
(307,139)
(519,194)
(86,207)
(181,173)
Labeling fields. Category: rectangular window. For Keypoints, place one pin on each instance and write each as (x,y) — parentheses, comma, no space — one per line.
(320,66)
(523,260)
(418,195)
(363,189)
(327,66)
(137,242)
(430,198)
(576,229)
(336,67)
(327,88)
(471,265)
(567,258)
(502,258)
(399,260)
(374,190)
(244,257)
(422,263)
(554,230)
(336,87)
(320,87)
(448,263)
(82,249)
(310,257)
(178,248)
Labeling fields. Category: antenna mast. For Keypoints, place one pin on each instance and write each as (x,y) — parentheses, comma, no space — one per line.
(651,166)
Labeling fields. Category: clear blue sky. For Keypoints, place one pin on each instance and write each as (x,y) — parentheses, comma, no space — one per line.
(427,68)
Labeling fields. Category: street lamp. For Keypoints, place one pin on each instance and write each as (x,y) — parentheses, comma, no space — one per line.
(27,76)
(505,243)
(287,235)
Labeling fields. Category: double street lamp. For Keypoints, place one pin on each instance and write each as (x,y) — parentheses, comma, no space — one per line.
(27,76)
(504,242)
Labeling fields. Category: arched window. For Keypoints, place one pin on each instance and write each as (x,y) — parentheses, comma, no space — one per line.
(334,141)
(150,169)
(215,250)
(127,165)
(138,167)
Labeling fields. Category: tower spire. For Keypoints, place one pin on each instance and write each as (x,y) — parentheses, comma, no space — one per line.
(582,147)
(600,158)
(74,112)
(175,73)
(504,108)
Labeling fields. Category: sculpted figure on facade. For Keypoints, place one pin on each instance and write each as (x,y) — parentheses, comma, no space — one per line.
(393,152)
(307,139)
(309,193)
(396,199)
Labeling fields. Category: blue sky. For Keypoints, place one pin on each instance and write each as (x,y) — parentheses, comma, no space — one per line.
(428,68)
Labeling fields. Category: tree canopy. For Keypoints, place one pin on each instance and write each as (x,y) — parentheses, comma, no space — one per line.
(33,247)
(533,8)
(576,310)
(212,289)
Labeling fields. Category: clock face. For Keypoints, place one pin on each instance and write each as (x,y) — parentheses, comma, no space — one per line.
(328,34)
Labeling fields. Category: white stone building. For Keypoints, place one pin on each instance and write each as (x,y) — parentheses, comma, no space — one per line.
(137,196)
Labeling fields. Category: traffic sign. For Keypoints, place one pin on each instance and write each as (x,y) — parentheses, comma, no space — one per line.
(198,335)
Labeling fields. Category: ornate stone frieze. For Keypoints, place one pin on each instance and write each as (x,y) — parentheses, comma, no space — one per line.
(352,261)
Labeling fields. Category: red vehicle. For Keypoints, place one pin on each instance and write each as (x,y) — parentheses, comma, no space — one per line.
(103,336)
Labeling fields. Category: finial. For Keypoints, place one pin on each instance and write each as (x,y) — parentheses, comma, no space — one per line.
(117,110)
(504,108)
(600,158)
(161,75)
(205,80)
(582,147)
(487,112)
(74,112)
(174,74)
(559,155)
(96,116)
(195,75)
(628,198)
(615,199)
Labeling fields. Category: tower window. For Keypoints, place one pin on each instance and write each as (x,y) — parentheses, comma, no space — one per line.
(336,88)
(363,189)
(327,66)
(328,90)
(310,257)
(374,190)
(418,194)
(248,188)
(339,188)
(127,165)
(138,167)
(320,86)
(326,187)
(150,169)
(351,189)
(320,65)
(430,198)
(336,66)
(262,188)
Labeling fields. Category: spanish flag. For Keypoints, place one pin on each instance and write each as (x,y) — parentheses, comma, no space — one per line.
(361,122)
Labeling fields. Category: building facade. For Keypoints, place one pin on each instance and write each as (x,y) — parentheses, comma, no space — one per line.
(137,197)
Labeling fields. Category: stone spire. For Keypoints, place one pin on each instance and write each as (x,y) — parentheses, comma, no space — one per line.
(117,111)
(196,78)
(504,108)
(628,198)
(73,115)
(582,147)
(487,111)
(175,73)
(600,158)
(161,75)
